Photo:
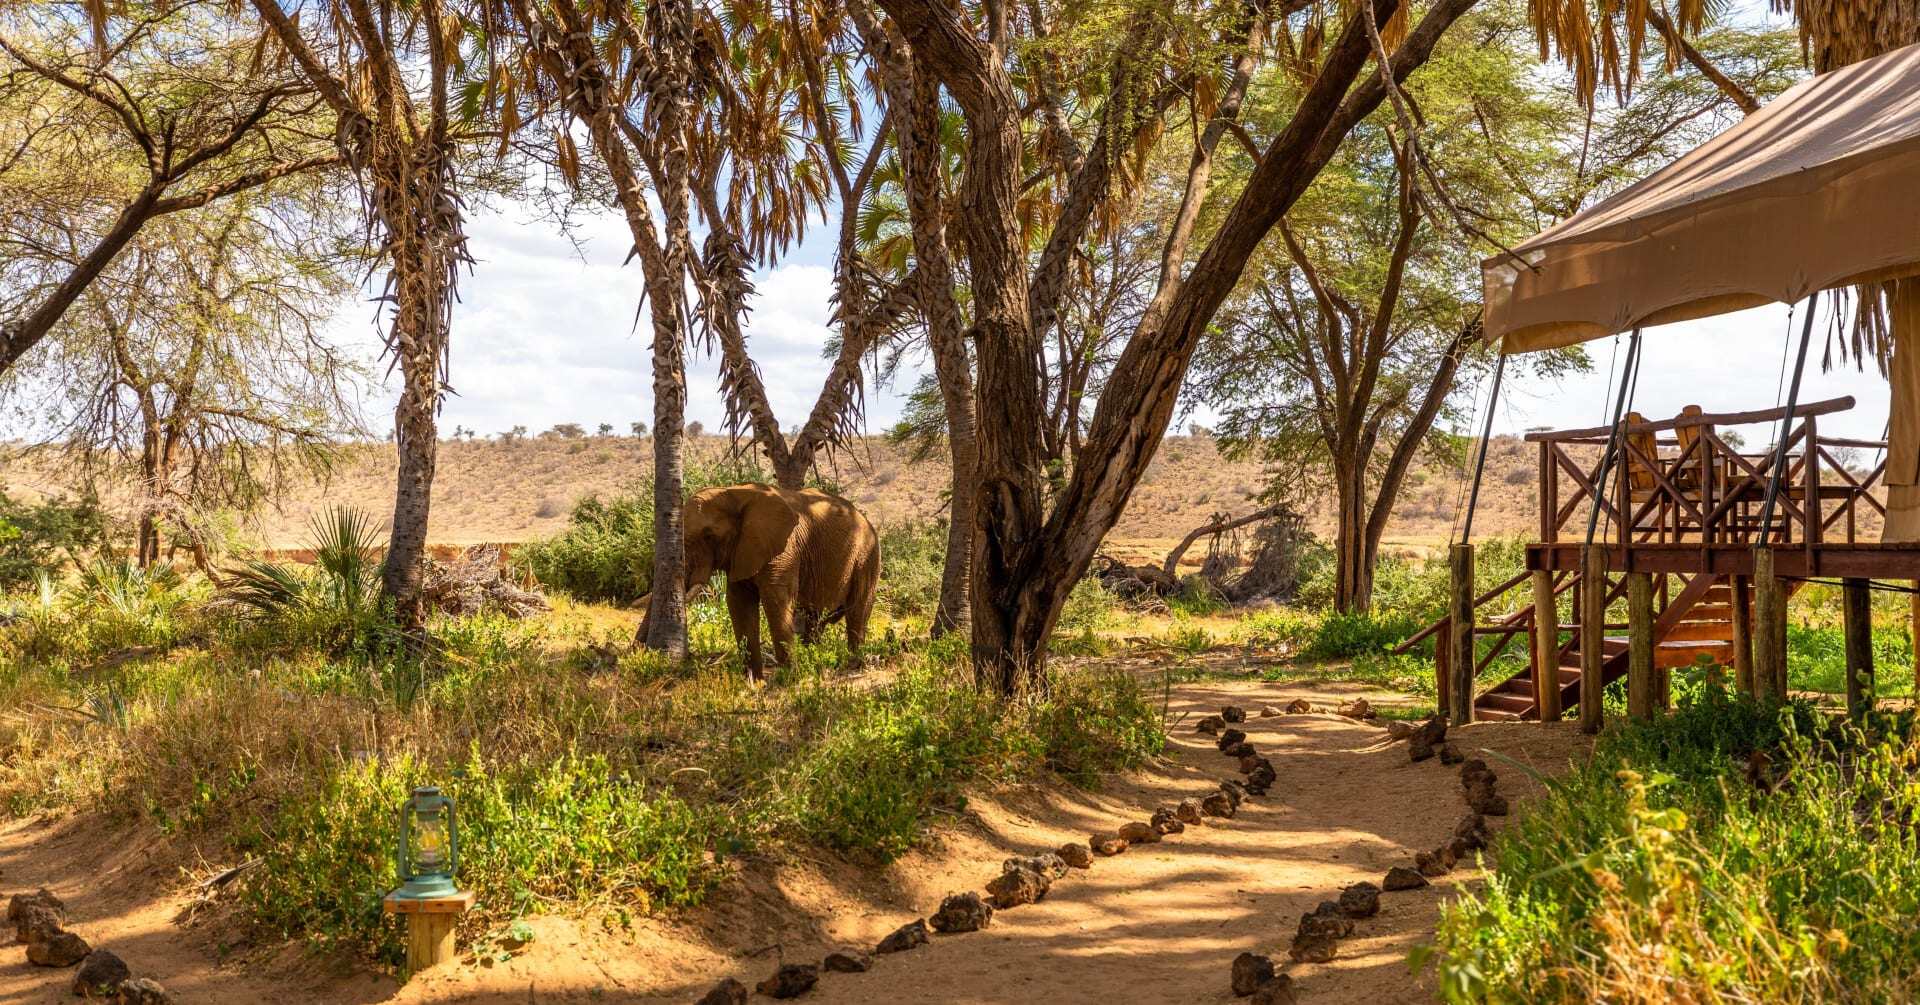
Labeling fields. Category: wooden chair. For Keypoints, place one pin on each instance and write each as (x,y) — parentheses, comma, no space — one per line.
(1697,472)
(1637,481)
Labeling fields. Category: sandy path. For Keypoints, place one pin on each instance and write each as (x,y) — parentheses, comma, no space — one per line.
(1160,923)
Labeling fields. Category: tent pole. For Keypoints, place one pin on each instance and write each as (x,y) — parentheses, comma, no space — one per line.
(1786,425)
(1613,436)
(1480,465)
(1593,567)
(1770,596)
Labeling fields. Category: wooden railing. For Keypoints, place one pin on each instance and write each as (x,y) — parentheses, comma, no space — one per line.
(1704,490)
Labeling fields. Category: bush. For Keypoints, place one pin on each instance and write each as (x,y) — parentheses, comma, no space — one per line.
(1656,872)
(1342,636)
(605,555)
(41,537)
(571,830)
(913,557)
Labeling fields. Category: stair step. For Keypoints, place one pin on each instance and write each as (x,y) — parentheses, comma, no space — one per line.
(1690,631)
(1496,715)
(1710,612)
(1508,702)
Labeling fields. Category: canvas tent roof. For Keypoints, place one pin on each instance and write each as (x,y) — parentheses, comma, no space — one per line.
(1819,188)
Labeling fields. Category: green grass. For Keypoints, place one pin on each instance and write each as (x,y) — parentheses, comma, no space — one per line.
(1657,872)
(584,785)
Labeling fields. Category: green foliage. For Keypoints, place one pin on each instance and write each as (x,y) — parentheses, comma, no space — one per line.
(1657,865)
(40,537)
(912,558)
(1817,659)
(1096,723)
(1347,635)
(570,830)
(605,554)
(335,604)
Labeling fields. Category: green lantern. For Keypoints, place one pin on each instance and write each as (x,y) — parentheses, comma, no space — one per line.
(429,846)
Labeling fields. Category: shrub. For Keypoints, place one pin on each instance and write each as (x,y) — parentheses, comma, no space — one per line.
(40,537)
(334,605)
(570,830)
(1656,872)
(605,554)
(913,556)
(1341,636)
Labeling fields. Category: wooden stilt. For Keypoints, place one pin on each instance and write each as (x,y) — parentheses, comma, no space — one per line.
(1769,628)
(430,926)
(1743,634)
(1640,671)
(1913,630)
(1442,671)
(1859,633)
(1460,609)
(1546,648)
(1593,635)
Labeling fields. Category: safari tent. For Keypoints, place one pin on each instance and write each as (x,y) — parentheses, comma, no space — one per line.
(1817,190)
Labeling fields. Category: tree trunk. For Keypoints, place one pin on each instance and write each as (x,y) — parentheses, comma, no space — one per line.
(666,619)
(918,134)
(669,25)
(421,282)
(1353,569)
(417,441)
(1024,570)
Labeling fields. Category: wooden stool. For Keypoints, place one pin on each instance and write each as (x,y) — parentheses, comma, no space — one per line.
(430,924)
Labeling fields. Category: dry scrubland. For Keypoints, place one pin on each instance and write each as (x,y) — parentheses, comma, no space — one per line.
(487,491)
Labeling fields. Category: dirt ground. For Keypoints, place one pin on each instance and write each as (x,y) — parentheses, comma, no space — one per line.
(1160,923)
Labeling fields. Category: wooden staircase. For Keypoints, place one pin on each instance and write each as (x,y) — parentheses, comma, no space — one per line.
(1697,621)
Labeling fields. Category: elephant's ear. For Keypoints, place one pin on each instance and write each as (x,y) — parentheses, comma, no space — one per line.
(766,522)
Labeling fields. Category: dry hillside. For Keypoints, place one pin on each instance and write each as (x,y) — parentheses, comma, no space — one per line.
(489,491)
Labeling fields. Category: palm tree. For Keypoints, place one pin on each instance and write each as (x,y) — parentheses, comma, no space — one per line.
(387,75)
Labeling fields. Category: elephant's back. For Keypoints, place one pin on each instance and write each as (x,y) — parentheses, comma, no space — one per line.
(839,546)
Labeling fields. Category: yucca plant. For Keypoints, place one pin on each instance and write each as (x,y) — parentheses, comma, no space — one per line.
(125,604)
(337,599)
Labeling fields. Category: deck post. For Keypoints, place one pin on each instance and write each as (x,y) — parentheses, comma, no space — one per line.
(1741,599)
(1460,639)
(1593,634)
(1546,647)
(1913,630)
(1769,628)
(1641,684)
(1859,633)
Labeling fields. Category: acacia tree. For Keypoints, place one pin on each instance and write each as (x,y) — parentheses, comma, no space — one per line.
(387,76)
(155,114)
(1028,553)
(196,365)
(1346,347)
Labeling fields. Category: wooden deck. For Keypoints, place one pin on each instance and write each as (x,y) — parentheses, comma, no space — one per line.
(1685,509)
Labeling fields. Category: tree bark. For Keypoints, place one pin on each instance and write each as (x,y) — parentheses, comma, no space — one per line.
(1009,631)
(25,332)
(920,157)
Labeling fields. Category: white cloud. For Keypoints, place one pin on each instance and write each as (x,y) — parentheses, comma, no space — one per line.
(1730,363)
(545,333)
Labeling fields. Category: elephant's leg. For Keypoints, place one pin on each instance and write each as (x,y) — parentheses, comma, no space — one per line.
(779,606)
(743,608)
(859,608)
(857,615)
(807,624)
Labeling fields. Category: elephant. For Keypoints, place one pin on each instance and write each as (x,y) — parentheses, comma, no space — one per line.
(806,557)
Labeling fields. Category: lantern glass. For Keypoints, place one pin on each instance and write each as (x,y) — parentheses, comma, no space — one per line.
(429,840)
(428,851)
